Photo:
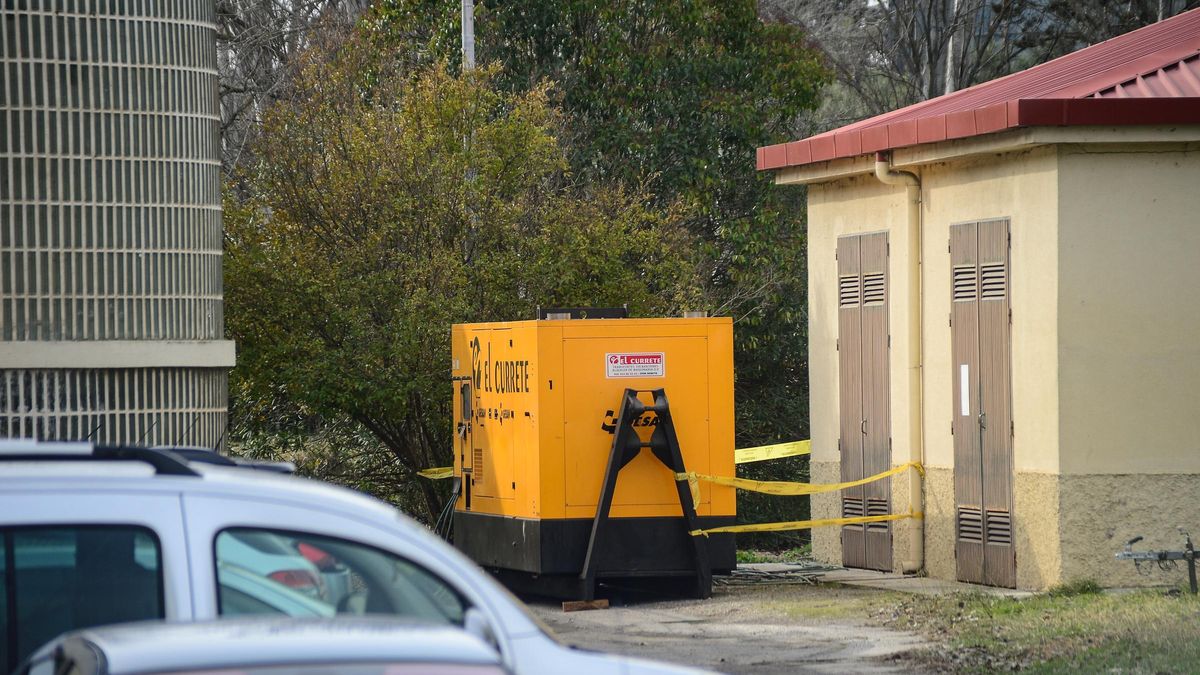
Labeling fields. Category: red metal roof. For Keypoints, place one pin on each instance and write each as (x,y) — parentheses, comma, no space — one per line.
(1148,76)
(1177,80)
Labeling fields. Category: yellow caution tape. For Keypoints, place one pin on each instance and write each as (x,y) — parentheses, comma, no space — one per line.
(777,451)
(792,489)
(437,473)
(693,485)
(804,524)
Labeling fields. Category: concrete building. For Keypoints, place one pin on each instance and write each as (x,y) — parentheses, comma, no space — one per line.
(111,320)
(1004,285)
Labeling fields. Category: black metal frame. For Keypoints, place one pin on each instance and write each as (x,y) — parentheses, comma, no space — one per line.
(626,445)
(167,461)
(1164,559)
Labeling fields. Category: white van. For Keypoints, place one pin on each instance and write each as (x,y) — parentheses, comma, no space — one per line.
(99,535)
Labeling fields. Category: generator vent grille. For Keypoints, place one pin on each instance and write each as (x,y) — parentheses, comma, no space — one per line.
(477,464)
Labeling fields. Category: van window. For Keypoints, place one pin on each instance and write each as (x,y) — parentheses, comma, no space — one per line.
(63,578)
(298,574)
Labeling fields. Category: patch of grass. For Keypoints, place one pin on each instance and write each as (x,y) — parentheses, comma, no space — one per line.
(1077,587)
(1072,629)
(790,555)
(753,557)
(798,553)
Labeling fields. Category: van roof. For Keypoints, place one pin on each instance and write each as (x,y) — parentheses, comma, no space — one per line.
(156,469)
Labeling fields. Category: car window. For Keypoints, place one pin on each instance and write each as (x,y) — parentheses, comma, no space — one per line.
(300,574)
(239,603)
(63,578)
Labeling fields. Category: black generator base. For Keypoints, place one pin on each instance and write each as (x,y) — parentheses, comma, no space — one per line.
(546,556)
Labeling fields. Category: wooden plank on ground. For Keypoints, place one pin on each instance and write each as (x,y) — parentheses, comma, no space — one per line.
(580,605)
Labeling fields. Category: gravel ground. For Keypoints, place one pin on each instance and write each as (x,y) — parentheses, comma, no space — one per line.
(761,628)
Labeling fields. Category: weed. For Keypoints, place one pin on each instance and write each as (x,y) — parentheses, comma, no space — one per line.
(744,557)
(1077,587)
(1075,628)
(790,555)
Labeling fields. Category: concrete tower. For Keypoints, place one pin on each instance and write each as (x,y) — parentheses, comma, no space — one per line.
(111,317)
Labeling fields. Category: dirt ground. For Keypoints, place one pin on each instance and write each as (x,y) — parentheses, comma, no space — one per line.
(745,629)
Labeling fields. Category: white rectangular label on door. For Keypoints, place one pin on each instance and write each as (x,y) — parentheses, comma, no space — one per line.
(964,390)
(637,364)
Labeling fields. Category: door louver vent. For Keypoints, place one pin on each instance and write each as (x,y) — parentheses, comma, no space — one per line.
(965,283)
(873,289)
(995,281)
(970,525)
(477,464)
(852,508)
(848,291)
(878,507)
(999,527)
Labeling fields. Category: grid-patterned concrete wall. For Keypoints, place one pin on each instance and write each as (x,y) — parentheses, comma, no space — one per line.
(153,406)
(110,205)
(111,160)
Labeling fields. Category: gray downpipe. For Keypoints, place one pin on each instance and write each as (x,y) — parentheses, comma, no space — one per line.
(915,560)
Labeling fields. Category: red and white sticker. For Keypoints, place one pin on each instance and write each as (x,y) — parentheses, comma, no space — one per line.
(635,364)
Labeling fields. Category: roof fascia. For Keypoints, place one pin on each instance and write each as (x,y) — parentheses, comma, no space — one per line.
(1007,141)
(820,172)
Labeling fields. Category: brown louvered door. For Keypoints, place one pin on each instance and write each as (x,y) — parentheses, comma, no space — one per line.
(850,387)
(863,369)
(982,427)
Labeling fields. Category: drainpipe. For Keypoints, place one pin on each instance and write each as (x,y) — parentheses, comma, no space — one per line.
(915,561)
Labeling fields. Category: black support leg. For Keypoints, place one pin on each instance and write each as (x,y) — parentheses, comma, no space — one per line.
(664,443)
(625,447)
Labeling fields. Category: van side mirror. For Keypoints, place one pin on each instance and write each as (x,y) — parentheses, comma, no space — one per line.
(475,623)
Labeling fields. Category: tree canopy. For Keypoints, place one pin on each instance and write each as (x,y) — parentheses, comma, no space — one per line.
(676,96)
(603,154)
(391,201)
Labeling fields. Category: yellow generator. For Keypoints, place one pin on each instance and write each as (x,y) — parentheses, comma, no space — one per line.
(569,433)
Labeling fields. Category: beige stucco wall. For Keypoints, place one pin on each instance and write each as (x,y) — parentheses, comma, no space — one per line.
(852,206)
(1037,503)
(826,541)
(1129,354)
(1105,345)
(1100,512)
(939,522)
(1035,498)
(1018,185)
(1129,309)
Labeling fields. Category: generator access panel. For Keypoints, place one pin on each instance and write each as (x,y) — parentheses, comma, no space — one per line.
(535,406)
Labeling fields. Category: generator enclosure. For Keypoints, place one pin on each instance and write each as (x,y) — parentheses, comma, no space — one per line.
(535,404)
